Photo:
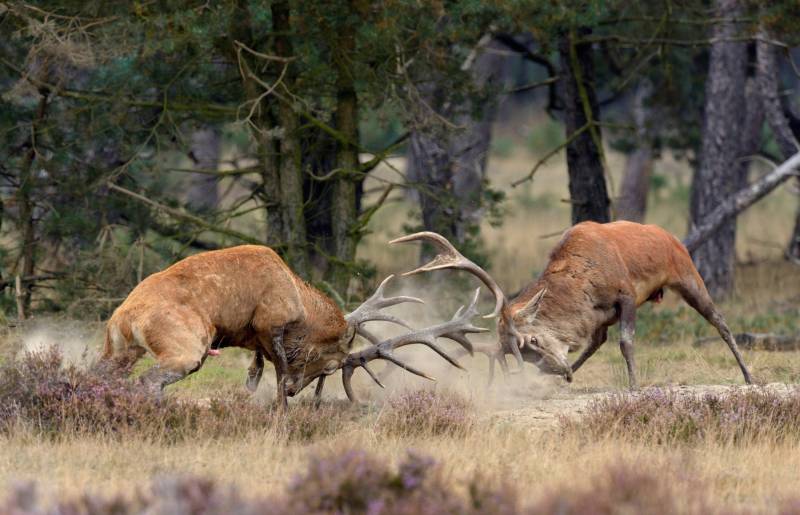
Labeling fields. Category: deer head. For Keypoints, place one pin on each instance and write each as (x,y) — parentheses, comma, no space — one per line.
(339,356)
(518,328)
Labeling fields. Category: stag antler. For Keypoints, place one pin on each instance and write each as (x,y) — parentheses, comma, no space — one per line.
(494,352)
(370,309)
(456,329)
(448,257)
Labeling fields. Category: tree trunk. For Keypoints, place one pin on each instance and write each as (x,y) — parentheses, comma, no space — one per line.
(26,223)
(768,82)
(793,250)
(448,150)
(265,119)
(587,183)
(632,202)
(290,172)
(344,210)
(719,175)
(204,152)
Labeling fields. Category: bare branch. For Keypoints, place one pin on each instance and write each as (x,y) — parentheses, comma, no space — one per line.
(741,201)
(181,215)
(550,154)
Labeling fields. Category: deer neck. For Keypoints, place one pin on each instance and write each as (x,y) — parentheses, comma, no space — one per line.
(324,319)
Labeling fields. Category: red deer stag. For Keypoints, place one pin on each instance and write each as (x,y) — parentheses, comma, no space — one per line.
(596,276)
(248,297)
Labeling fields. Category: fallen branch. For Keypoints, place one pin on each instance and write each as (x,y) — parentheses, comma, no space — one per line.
(759,341)
(741,201)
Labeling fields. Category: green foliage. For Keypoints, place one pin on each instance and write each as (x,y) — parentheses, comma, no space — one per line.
(99,92)
(545,137)
(502,147)
(380,128)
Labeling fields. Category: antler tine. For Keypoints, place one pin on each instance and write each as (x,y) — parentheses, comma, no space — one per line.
(456,329)
(347,375)
(448,257)
(368,335)
(372,375)
(369,310)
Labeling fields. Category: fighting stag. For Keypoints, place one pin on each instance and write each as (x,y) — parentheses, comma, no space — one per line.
(597,275)
(248,297)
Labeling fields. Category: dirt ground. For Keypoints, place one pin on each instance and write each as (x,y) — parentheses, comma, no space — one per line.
(544,413)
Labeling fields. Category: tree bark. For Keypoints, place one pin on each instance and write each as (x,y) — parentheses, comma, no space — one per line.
(26,223)
(768,78)
(447,159)
(204,152)
(587,183)
(290,172)
(265,119)
(719,175)
(793,249)
(344,210)
(632,202)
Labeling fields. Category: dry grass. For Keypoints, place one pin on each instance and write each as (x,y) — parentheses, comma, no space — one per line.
(562,467)
(756,475)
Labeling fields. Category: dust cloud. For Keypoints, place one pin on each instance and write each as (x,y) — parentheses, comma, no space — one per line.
(76,341)
(442,298)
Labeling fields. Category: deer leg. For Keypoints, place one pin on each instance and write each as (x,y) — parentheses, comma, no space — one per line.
(164,374)
(718,322)
(492,359)
(281,366)
(255,371)
(157,378)
(627,325)
(598,339)
(318,391)
(701,302)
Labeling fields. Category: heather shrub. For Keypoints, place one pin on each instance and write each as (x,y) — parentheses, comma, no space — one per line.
(663,416)
(348,482)
(168,496)
(43,394)
(355,482)
(427,412)
(623,489)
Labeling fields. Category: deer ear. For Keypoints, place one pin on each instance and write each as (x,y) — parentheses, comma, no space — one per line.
(531,308)
(346,343)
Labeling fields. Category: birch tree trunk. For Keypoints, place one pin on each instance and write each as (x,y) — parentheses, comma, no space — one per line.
(587,183)
(719,175)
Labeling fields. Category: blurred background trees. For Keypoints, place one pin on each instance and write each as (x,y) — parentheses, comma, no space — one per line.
(134,133)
